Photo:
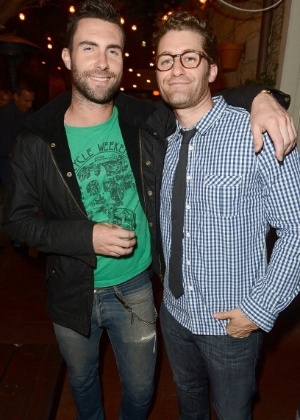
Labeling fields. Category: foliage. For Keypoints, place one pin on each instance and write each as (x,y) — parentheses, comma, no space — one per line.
(264,79)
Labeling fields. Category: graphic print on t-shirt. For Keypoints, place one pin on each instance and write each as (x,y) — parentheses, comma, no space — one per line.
(103,171)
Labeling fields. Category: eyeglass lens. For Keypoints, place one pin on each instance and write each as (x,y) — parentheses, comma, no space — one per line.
(189,59)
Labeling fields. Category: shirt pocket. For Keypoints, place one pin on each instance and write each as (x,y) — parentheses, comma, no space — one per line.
(222,194)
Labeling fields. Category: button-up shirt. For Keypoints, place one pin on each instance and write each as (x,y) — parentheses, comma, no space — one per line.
(232,197)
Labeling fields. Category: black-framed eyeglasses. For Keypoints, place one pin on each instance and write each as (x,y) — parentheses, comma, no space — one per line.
(190,59)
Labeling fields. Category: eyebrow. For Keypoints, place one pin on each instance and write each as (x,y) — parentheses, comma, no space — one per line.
(94,44)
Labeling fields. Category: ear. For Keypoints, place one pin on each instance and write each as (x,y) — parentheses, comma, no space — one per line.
(65,55)
(212,73)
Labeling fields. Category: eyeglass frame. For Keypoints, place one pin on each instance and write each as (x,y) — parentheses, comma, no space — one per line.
(200,53)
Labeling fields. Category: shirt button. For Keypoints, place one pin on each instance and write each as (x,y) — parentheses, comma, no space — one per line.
(188,177)
(151,224)
(150,193)
(52,145)
(188,262)
(69,174)
(188,206)
(188,235)
(148,163)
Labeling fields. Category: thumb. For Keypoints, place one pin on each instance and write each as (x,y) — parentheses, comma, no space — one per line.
(222,315)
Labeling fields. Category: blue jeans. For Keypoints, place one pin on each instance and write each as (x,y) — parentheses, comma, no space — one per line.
(128,314)
(223,365)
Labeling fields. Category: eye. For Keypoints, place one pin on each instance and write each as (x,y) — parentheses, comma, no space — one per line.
(190,58)
(114,52)
(87,47)
(165,61)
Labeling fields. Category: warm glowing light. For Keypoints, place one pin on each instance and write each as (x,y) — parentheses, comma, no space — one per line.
(134,86)
(122,89)
(148,81)
(58,68)
(131,70)
(165,17)
(203,1)
(155,93)
(49,38)
(122,20)
(72,9)
(49,46)
(126,54)
(22,16)
(144,43)
(134,27)
(138,74)
(44,62)
(151,64)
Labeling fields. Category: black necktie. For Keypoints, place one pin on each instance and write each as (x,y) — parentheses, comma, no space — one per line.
(177,214)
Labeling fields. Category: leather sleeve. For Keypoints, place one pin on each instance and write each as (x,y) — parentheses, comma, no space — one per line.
(244,95)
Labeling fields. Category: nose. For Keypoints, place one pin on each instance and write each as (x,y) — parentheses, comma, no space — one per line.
(177,68)
(101,61)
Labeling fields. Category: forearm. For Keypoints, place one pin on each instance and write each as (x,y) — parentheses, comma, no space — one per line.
(65,237)
(243,96)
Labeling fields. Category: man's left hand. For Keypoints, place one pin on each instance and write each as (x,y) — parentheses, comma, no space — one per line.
(240,325)
(268,115)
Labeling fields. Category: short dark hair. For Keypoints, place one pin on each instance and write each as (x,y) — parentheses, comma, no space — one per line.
(22,85)
(184,21)
(97,9)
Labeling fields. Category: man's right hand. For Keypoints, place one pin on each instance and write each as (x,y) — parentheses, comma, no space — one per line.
(112,240)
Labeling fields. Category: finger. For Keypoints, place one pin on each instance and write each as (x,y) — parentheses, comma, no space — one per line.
(278,138)
(239,335)
(290,142)
(257,140)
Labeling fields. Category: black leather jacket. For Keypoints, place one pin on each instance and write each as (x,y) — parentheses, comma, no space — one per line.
(44,207)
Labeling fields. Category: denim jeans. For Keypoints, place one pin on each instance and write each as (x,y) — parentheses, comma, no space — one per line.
(128,314)
(221,365)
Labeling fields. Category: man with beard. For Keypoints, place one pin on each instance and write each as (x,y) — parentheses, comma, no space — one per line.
(219,293)
(77,192)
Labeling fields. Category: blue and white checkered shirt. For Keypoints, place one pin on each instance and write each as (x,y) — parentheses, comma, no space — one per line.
(232,197)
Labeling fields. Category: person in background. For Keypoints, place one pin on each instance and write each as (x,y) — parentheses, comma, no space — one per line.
(77,192)
(5,97)
(219,293)
(12,115)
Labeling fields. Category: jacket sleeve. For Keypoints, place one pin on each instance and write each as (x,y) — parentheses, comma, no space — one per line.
(243,96)
(39,210)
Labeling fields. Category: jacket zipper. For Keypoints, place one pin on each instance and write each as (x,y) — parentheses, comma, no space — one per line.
(66,185)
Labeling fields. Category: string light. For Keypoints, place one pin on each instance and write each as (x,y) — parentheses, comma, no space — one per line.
(250,10)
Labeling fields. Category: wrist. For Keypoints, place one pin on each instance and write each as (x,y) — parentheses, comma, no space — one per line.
(266,91)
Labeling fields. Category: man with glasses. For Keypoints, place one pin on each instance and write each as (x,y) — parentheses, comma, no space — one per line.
(218,199)
(76,175)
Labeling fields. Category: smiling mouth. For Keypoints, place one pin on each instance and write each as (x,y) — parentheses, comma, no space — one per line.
(100,78)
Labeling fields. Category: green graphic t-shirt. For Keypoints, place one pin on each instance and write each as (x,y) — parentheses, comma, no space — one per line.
(109,194)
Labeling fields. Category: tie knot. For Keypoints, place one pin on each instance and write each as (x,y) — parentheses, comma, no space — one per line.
(187,135)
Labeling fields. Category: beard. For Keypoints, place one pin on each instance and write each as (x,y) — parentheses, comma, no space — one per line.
(185,96)
(99,94)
